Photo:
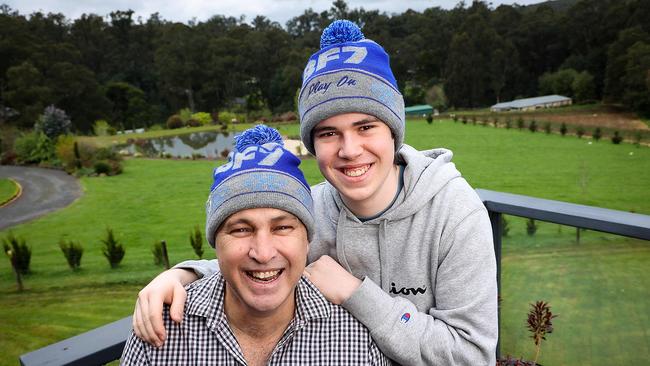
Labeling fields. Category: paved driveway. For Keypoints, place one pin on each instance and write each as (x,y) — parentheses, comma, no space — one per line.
(44,190)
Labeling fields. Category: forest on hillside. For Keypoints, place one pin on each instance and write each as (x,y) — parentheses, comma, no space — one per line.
(135,72)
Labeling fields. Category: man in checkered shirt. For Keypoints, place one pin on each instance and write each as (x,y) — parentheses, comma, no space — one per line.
(259,309)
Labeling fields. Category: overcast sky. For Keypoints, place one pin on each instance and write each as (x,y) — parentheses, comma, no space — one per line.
(184,10)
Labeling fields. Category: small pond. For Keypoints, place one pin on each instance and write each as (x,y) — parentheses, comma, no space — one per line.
(209,144)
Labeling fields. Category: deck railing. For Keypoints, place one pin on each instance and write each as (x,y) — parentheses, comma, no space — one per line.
(105,344)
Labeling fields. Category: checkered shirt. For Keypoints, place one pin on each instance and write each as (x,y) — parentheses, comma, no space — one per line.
(321,333)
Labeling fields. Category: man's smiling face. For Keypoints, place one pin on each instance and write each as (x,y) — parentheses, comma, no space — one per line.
(262,253)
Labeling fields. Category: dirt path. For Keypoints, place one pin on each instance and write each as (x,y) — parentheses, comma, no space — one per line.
(44,190)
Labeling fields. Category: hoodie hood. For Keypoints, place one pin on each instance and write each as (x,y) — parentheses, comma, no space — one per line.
(425,174)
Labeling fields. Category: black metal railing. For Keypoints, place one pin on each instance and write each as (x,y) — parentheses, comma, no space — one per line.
(105,344)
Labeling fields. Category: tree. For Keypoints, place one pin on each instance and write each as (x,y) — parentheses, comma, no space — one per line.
(53,123)
(129,106)
(77,92)
(636,80)
(413,94)
(27,93)
(560,82)
(436,97)
(617,59)
(478,65)
(583,87)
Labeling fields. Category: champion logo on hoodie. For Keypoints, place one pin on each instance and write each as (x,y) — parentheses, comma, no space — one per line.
(405,317)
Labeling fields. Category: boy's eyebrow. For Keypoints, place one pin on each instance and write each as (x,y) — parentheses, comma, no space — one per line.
(369,119)
(366,120)
(323,128)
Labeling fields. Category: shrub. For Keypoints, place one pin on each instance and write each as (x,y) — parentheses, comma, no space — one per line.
(72,252)
(8,158)
(474,120)
(67,151)
(617,138)
(288,116)
(563,129)
(19,253)
(532,126)
(540,323)
(174,122)
(531,227)
(495,120)
(429,118)
(514,362)
(106,153)
(100,127)
(597,134)
(113,249)
(33,148)
(508,123)
(102,167)
(454,117)
(192,123)
(157,252)
(637,138)
(202,117)
(226,117)
(185,114)
(196,240)
(463,119)
(156,127)
(520,122)
(580,132)
(547,128)
(53,122)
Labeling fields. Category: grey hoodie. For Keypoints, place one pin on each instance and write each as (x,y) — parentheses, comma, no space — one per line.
(429,293)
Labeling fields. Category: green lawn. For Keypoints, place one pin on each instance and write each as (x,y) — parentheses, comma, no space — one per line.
(8,190)
(594,286)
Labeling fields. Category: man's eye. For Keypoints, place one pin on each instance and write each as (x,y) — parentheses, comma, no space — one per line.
(283,228)
(240,230)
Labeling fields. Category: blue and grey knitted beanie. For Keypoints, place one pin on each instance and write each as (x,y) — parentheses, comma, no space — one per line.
(260,173)
(349,74)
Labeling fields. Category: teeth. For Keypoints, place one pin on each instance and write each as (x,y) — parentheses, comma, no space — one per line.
(356,171)
(264,275)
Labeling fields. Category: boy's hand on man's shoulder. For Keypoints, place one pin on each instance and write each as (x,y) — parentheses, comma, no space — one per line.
(333,281)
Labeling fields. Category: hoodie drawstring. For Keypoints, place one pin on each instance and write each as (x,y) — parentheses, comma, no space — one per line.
(383,252)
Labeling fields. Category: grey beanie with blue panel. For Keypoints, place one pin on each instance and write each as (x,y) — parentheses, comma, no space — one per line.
(349,74)
(260,173)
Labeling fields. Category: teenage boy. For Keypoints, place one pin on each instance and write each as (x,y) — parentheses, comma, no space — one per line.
(402,241)
(259,310)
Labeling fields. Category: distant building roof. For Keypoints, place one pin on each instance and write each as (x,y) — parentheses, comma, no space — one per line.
(530,102)
(422,108)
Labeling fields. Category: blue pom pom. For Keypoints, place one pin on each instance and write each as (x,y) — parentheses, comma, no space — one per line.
(340,31)
(258,135)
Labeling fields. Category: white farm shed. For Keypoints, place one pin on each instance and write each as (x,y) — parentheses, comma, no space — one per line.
(529,104)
